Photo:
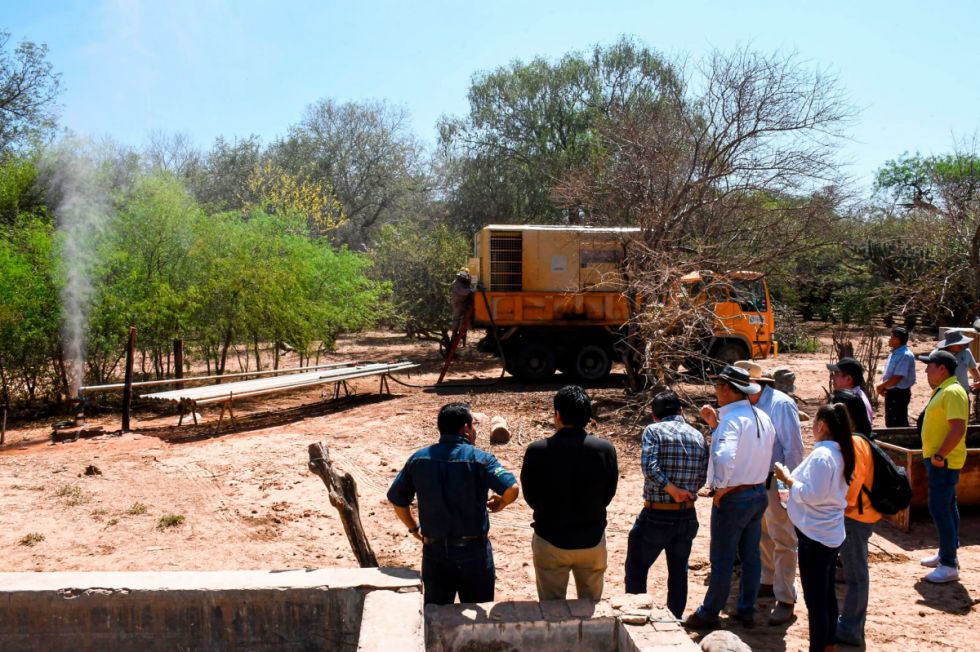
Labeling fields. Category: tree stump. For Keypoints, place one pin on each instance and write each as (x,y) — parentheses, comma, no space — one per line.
(343,495)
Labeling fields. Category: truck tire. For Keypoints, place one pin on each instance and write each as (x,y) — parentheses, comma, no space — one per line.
(593,362)
(536,361)
(728,353)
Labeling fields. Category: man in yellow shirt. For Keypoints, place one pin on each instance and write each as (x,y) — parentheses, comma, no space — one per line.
(944,450)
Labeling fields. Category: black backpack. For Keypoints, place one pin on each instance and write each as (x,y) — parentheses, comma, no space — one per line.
(890,491)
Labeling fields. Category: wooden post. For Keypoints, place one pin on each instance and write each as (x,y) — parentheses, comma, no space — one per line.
(3,428)
(178,358)
(128,389)
(343,496)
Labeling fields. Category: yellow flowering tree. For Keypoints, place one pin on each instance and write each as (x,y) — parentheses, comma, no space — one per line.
(278,192)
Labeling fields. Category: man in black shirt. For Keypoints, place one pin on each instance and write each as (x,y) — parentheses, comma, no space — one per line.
(568,480)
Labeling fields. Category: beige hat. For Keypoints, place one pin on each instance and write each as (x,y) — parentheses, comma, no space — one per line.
(755,371)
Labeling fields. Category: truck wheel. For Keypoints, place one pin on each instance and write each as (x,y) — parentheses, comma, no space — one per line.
(593,362)
(728,353)
(535,361)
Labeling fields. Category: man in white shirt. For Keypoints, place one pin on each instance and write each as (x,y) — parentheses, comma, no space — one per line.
(778,534)
(741,455)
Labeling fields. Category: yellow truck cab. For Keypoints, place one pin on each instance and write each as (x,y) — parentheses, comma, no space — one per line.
(553,300)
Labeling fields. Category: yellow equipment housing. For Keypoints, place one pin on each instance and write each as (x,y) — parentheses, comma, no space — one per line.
(556,297)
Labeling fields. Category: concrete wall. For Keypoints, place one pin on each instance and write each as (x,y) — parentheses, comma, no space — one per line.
(619,624)
(223,610)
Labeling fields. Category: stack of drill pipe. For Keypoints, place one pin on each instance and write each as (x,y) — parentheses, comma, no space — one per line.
(257,387)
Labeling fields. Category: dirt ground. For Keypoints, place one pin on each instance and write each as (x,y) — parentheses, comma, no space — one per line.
(249,502)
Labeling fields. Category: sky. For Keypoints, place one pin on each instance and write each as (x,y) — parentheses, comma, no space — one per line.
(233,68)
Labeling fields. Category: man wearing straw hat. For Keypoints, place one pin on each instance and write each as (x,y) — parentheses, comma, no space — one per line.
(740,460)
(778,545)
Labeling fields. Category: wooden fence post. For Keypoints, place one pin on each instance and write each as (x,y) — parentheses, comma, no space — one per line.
(128,389)
(343,495)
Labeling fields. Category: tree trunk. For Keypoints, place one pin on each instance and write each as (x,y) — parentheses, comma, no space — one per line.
(343,495)
(224,352)
(258,355)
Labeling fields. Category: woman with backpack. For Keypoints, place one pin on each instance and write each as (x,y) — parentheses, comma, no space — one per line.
(859,519)
(816,502)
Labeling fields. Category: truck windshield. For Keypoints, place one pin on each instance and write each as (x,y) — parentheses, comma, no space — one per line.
(750,295)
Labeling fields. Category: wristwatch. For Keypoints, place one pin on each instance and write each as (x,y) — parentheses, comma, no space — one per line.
(939,457)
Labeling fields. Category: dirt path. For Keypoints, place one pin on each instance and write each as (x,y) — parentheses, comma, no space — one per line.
(248,501)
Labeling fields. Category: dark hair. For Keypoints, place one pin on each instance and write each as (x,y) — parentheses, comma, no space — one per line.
(574,406)
(452,417)
(666,404)
(901,333)
(855,409)
(838,423)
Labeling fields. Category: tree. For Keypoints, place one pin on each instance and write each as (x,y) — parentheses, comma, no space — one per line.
(531,123)
(221,179)
(420,260)
(365,152)
(732,168)
(939,202)
(28,88)
(274,190)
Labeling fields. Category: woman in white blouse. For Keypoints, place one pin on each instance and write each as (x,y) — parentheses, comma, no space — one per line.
(816,503)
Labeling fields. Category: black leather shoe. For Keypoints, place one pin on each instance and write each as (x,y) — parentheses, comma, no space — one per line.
(781,614)
(695,621)
(747,621)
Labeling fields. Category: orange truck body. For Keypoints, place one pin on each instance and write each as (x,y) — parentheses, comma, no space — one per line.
(561,287)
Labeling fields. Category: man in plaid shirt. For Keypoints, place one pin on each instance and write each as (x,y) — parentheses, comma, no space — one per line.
(675,466)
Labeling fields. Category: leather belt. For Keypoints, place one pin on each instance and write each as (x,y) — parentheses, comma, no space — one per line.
(687,504)
(741,487)
(454,543)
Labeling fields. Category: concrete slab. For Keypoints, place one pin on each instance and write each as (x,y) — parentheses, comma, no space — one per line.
(227,610)
(391,621)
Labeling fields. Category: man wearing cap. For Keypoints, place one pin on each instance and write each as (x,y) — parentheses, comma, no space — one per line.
(896,384)
(451,480)
(778,544)
(675,465)
(944,450)
(957,342)
(461,297)
(741,454)
(848,374)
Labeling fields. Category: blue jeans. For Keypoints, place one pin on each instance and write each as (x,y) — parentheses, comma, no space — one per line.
(854,556)
(655,531)
(467,570)
(945,513)
(736,525)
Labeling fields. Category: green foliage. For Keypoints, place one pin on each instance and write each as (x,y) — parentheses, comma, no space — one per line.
(531,123)
(420,260)
(28,88)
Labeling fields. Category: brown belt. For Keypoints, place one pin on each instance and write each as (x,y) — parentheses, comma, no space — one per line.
(688,504)
(729,491)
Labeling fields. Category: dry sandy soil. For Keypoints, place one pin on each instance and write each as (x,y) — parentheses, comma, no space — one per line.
(249,502)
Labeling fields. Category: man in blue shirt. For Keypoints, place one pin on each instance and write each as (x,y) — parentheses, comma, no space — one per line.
(451,479)
(896,384)
(675,467)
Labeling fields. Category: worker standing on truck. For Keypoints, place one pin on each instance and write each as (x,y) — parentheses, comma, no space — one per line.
(461,298)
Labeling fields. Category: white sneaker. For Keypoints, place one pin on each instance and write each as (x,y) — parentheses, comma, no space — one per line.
(943,574)
(931,561)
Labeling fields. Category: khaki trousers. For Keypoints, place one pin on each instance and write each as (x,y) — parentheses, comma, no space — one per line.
(778,548)
(552,565)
